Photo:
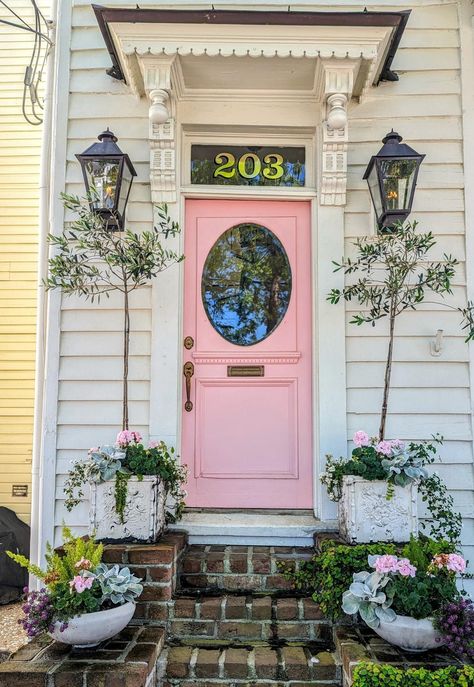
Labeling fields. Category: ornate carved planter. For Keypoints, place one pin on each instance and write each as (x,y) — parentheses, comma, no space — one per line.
(144,514)
(366,515)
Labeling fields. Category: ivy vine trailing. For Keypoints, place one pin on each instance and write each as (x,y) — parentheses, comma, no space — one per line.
(121,483)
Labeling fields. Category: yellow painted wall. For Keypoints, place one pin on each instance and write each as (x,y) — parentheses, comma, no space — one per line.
(19,178)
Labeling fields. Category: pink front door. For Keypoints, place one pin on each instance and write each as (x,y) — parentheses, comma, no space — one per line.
(247,422)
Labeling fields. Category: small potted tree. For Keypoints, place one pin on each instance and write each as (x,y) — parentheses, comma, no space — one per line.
(130,483)
(377,487)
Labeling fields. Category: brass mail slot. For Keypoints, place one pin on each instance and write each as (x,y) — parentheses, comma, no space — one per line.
(245,370)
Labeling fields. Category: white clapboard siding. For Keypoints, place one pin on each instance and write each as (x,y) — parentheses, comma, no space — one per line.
(429,394)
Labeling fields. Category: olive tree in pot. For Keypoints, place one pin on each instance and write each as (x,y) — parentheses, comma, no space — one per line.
(129,482)
(377,488)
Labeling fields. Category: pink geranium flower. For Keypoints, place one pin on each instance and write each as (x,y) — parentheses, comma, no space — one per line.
(153,444)
(456,563)
(397,444)
(126,437)
(83,564)
(384,447)
(361,438)
(386,564)
(80,584)
(405,568)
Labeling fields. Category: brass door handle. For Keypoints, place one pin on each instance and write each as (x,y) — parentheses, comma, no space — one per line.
(188,371)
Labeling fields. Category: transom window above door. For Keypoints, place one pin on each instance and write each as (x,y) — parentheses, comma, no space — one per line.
(246,284)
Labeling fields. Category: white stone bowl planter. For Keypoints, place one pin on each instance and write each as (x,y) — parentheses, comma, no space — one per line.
(366,515)
(410,634)
(144,513)
(91,629)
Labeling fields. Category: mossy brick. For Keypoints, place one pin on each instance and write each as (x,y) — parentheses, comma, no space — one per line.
(154,592)
(192,628)
(152,554)
(211,608)
(184,608)
(295,662)
(242,582)
(143,652)
(192,565)
(115,553)
(207,664)
(261,564)
(262,608)
(25,673)
(235,608)
(293,631)
(324,666)
(287,609)
(236,663)
(311,610)
(158,611)
(69,674)
(178,661)
(266,662)
(123,675)
(152,634)
(247,630)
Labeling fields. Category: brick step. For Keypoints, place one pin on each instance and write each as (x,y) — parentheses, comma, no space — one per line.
(241,618)
(263,664)
(239,568)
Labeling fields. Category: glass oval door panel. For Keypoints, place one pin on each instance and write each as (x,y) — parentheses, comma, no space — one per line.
(246,284)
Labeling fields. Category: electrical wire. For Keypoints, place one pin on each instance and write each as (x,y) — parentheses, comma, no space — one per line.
(32,105)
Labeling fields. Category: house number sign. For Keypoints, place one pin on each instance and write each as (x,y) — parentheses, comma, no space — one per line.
(248,165)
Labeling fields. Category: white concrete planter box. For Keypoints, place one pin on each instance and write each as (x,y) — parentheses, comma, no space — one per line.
(144,514)
(410,634)
(366,515)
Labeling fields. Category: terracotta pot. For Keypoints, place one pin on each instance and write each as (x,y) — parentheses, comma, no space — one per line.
(91,629)
(410,634)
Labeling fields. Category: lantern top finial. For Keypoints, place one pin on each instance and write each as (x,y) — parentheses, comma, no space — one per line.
(392,136)
(108,135)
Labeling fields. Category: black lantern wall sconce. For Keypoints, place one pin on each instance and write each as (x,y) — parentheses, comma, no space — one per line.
(108,176)
(391,176)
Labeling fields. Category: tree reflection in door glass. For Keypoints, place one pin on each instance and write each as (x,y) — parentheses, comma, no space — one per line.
(246,284)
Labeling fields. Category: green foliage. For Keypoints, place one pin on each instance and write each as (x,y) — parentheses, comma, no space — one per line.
(160,460)
(329,573)
(121,482)
(446,523)
(67,604)
(62,564)
(25,563)
(421,596)
(391,274)
(103,464)
(375,675)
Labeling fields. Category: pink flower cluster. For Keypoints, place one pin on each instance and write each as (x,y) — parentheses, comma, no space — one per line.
(451,561)
(83,564)
(80,583)
(361,438)
(391,564)
(126,437)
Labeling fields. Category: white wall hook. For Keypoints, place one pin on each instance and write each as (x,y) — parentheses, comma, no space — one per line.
(437,345)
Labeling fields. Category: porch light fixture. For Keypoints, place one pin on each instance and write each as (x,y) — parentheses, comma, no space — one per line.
(108,176)
(391,176)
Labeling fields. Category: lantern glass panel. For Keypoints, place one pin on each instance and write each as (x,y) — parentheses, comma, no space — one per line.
(374,189)
(397,178)
(102,177)
(124,190)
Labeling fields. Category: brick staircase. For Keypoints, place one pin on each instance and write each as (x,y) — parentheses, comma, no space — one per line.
(234,620)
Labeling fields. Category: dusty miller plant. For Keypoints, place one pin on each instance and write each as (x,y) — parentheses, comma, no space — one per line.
(91,261)
(393,275)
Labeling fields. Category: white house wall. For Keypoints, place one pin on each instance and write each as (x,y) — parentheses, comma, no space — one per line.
(430,394)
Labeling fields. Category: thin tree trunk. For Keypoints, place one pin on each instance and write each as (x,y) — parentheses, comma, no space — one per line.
(388,373)
(126,348)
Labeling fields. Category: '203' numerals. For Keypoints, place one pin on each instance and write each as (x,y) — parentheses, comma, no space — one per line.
(228,166)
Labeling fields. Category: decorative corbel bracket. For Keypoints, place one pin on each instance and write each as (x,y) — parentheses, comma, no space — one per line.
(337,85)
(157,72)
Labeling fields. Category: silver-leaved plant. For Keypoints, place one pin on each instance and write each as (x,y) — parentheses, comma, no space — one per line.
(118,585)
(369,597)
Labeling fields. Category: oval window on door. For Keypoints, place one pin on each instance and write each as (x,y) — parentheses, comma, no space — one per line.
(246,284)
